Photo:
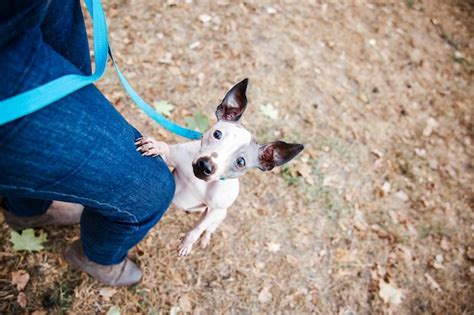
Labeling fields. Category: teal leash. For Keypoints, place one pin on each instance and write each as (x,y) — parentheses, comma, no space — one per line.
(30,101)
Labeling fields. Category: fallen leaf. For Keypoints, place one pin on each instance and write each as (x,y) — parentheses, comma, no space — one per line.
(431,124)
(194,45)
(342,256)
(164,107)
(434,285)
(27,240)
(305,171)
(402,196)
(21,299)
(445,244)
(174,310)
(271,10)
(260,265)
(199,122)
(185,304)
(273,247)
(269,111)
(167,58)
(385,189)
(265,295)
(20,278)
(113,310)
(420,152)
(438,262)
(381,232)
(107,293)
(389,293)
(407,256)
(377,153)
(292,260)
(470,252)
(39,313)
(359,221)
(205,18)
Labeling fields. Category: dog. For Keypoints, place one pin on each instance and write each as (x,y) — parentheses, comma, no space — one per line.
(207,171)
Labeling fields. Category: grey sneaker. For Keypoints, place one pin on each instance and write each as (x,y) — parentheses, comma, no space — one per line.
(59,213)
(123,274)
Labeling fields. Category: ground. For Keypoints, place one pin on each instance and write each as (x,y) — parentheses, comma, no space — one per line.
(376,216)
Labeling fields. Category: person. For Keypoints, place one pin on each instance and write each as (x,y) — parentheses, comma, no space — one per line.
(74,160)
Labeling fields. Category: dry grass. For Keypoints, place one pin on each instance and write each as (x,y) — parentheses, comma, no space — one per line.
(358,84)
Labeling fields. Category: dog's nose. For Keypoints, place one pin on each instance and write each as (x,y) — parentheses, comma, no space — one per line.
(206,167)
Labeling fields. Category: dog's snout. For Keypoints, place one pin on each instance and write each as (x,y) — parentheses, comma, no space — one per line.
(206,167)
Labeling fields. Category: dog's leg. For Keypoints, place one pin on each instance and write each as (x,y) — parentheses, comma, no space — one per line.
(209,218)
(206,237)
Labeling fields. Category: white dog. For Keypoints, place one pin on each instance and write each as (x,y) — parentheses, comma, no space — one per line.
(207,171)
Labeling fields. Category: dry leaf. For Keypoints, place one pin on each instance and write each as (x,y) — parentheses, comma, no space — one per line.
(260,265)
(271,10)
(199,311)
(359,221)
(402,196)
(386,187)
(389,293)
(305,170)
(470,252)
(174,310)
(39,313)
(438,262)
(273,247)
(434,285)
(114,310)
(20,278)
(22,299)
(265,295)
(444,244)
(107,293)
(382,233)
(269,111)
(205,18)
(185,304)
(292,260)
(407,256)
(343,256)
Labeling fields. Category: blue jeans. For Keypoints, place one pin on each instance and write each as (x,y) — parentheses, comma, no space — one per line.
(79,149)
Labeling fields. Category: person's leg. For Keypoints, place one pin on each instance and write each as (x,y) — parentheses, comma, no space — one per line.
(63,29)
(22,213)
(81,150)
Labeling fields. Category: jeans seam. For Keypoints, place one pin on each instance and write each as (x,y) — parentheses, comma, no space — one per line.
(74,171)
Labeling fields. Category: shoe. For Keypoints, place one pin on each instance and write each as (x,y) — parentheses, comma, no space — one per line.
(123,274)
(59,213)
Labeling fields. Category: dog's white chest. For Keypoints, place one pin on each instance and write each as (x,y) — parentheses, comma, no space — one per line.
(192,192)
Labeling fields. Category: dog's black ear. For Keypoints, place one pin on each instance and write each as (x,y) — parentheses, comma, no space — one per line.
(234,103)
(276,154)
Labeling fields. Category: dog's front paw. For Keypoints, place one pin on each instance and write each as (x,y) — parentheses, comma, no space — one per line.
(150,147)
(187,244)
(184,248)
(205,239)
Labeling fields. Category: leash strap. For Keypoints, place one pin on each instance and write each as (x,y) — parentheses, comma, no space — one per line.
(30,101)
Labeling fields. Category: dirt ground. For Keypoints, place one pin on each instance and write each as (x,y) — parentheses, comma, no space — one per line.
(375,217)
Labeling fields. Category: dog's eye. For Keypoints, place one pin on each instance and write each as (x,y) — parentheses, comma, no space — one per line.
(240,162)
(217,134)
